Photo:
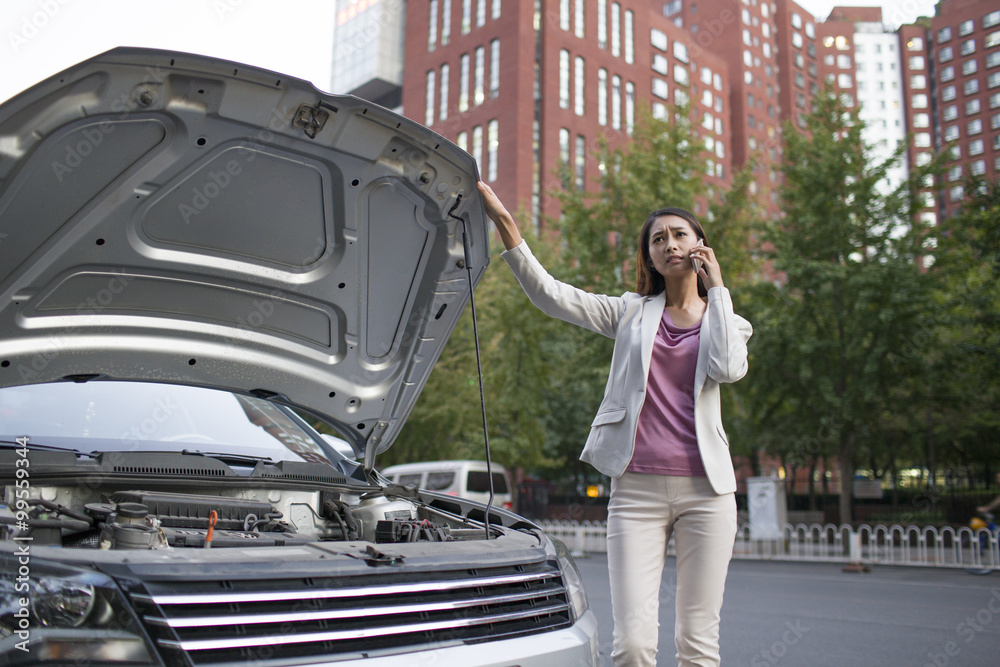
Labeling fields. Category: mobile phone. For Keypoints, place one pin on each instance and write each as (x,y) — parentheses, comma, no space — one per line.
(697,264)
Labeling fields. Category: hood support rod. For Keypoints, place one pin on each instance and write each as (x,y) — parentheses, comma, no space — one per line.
(479,361)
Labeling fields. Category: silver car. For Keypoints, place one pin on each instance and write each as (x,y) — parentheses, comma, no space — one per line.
(199,260)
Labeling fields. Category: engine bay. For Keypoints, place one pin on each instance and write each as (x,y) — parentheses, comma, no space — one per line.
(135,519)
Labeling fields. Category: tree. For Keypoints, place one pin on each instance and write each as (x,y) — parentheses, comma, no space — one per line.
(853,293)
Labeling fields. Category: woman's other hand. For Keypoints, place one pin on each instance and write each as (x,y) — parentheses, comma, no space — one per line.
(509,233)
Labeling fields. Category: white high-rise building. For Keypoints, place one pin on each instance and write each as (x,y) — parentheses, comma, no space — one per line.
(880,95)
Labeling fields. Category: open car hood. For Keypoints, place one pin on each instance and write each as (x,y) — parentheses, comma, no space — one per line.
(179,218)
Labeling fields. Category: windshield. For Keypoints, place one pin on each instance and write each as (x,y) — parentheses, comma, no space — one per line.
(101,416)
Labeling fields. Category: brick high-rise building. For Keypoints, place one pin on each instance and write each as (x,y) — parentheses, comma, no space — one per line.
(965,58)
(525,87)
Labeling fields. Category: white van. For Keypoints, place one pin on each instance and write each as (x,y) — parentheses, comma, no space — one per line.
(463,479)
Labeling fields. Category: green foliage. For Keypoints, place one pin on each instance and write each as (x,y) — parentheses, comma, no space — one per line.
(832,337)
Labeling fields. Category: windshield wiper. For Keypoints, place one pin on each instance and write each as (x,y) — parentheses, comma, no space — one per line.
(7,444)
(229,458)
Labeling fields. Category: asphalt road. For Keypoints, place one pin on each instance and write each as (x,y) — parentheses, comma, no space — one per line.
(816,615)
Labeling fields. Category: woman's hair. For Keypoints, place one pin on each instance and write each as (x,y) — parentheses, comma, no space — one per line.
(648,281)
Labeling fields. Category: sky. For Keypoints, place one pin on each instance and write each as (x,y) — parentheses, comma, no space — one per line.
(39,38)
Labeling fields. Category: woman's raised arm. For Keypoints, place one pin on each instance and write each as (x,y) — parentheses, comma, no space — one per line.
(509,233)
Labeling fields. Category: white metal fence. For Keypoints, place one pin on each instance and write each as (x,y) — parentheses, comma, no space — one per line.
(926,546)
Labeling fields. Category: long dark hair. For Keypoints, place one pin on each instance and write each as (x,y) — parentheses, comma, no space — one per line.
(648,281)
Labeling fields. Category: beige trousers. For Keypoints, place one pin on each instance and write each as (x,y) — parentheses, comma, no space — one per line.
(643,512)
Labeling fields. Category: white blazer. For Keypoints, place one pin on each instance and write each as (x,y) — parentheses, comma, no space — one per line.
(632,321)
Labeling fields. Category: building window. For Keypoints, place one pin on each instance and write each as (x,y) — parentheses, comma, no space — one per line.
(492,146)
(467,24)
(965,27)
(579,76)
(993,80)
(616,102)
(918,81)
(445,22)
(660,64)
(564,79)
(993,59)
(844,80)
(976,147)
(978,168)
(995,125)
(992,39)
(916,62)
(950,133)
(659,39)
(616,30)
(602,24)
(564,156)
(429,104)
(947,73)
(969,67)
(581,156)
(564,25)
(629,107)
(944,34)
(660,88)
(921,120)
(463,140)
(602,96)
(975,126)
(681,74)
(496,9)
(956,193)
(915,44)
(629,36)
(463,83)
(479,90)
(968,46)
(955,173)
(971,86)
(991,19)
(796,20)
(797,40)
(681,52)
(844,61)
(477,145)
(481,13)
(432,35)
(945,54)
(948,93)
(919,101)
(494,68)
(950,112)
(681,97)
(443,108)
(578,19)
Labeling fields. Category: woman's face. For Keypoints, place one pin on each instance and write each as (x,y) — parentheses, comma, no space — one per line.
(670,241)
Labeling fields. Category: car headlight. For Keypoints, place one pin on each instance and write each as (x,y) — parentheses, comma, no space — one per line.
(49,616)
(573,581)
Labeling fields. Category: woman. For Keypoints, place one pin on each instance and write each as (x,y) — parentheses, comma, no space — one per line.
(658,432)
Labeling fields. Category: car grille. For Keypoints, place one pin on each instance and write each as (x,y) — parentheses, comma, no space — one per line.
(205,623)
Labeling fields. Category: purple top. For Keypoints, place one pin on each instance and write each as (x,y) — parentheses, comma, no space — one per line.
(665,440)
